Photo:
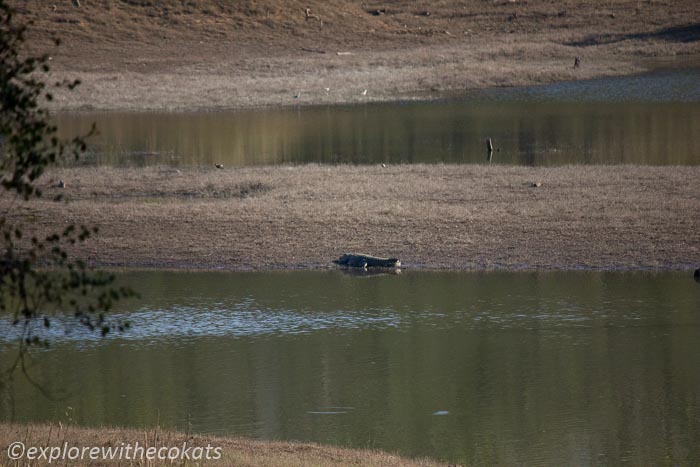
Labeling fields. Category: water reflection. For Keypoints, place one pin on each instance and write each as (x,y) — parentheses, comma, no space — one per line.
(651,119)
(554,368)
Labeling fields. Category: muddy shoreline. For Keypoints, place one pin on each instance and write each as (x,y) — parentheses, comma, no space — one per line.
(446,217)
(203,449)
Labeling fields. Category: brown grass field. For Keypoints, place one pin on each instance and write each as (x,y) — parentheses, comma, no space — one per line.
(219,54)
(429,216)
(234,451)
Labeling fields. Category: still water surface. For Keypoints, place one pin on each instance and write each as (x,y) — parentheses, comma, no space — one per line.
(651,119)
(478,368)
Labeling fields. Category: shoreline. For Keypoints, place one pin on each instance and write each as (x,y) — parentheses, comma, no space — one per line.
(140,98)
(431,217)
(418,97)
(190,268)
(204,449)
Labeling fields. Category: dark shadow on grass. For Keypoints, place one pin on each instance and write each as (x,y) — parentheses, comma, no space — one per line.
(687,33)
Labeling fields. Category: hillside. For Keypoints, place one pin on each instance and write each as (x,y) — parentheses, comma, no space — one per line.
(138,54)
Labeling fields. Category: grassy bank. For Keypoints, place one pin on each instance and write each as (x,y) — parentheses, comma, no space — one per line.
(429,216)
(215,54)
(231,451)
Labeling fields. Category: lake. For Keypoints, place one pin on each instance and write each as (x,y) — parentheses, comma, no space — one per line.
(470,367)
(650,119)
(573,367)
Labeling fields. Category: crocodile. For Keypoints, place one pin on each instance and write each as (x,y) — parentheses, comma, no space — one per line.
(355,260)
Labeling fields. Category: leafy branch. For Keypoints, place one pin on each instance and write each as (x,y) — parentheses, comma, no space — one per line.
(38,279)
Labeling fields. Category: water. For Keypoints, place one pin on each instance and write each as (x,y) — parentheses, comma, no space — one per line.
(477,368)
(651,119)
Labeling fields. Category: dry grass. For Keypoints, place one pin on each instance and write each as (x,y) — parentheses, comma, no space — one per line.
(234,451)
(429,216)
(214,54)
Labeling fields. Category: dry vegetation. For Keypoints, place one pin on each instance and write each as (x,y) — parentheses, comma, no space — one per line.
(429,216)
(235,451)
(176,54)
